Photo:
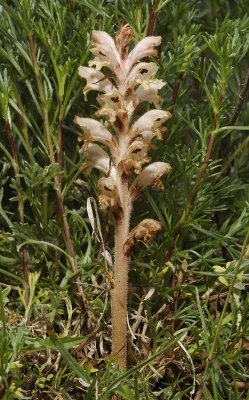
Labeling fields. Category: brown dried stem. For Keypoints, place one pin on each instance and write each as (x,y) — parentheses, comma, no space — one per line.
(152,19)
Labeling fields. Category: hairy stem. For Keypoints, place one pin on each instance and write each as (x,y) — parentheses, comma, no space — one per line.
(120,292)
(121,266)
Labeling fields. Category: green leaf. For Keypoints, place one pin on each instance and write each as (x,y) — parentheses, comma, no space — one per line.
(70,361)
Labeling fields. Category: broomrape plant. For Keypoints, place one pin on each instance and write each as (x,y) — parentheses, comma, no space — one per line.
(127,142)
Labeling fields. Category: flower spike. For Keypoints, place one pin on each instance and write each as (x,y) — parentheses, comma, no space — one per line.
(132,81)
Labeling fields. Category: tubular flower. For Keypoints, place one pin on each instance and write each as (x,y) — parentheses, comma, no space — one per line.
(132,82)
(136,156)
(109,194)
(96,132)
(152,120)
(95,80)
(112,105)
(96,158)
(148,91)
(150,176)
(140,72)
(145,48)
(105,52)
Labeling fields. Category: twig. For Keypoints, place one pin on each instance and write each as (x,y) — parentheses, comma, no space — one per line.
(176,88)
(60,141)
(241,99)
(152,19)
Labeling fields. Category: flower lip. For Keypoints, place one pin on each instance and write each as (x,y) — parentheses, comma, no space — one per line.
(109,194)
(148,91)
(136,155)
(112,105)
(144,48)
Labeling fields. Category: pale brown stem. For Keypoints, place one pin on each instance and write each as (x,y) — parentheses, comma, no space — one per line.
(121,266)
(120,292)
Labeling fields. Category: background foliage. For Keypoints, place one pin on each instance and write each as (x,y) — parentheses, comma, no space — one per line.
(188,302)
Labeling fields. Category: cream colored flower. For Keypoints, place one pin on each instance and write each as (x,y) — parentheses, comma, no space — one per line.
(112,105)
(109,194)
(136,156)
(148,91)
(150,120)
(141,72)
(96,158)
(150,176)
(97,132)
(105,52)
(95,80)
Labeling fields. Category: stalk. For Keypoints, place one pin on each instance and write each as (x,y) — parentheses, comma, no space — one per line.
(120,290)
(119,295)
(60,139)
